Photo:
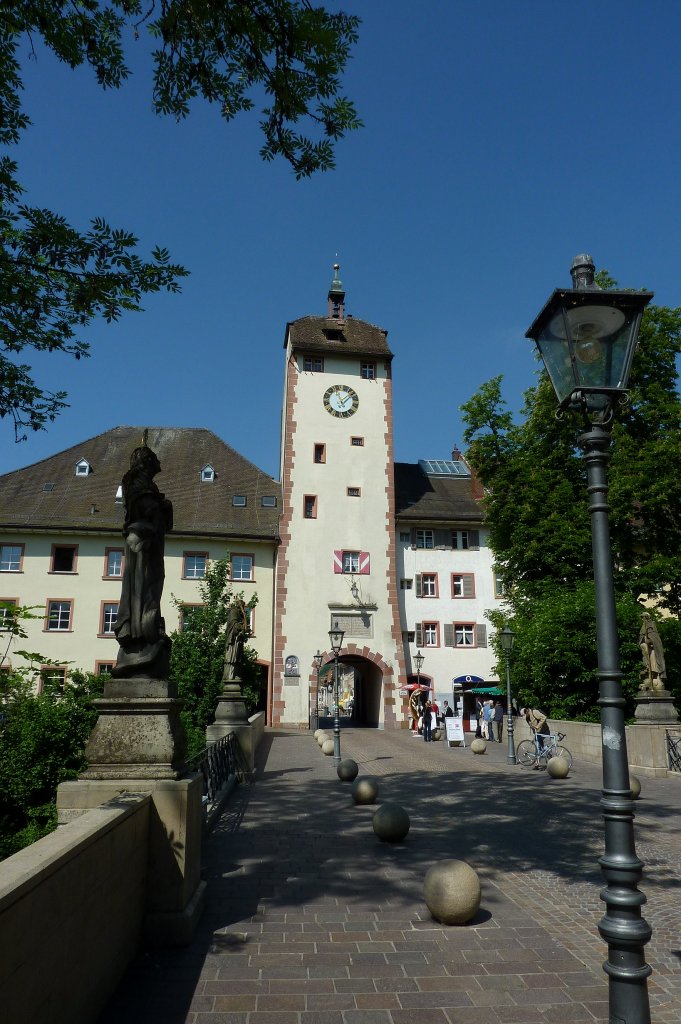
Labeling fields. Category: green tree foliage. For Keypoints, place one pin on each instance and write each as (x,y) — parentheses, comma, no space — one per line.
(42,740)
(54,278)
(197,657)
(537,513)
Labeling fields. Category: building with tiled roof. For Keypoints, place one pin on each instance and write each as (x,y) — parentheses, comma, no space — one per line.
(394,554)
(61,544)
(446,570)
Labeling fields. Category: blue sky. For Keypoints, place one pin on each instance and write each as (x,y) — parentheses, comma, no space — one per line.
(500,140)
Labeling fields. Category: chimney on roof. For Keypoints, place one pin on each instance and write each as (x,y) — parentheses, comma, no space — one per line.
(336,297)
(456,454)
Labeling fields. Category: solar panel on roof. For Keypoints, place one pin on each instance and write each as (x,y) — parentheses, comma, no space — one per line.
(443,467)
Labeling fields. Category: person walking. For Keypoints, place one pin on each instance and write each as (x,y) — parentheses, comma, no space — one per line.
(478,716)
(499,720)
(428,721)
(487,716)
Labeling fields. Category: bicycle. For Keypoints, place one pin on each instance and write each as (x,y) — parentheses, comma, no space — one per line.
(536,752)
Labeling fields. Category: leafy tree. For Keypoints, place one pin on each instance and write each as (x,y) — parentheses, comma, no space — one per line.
(537,513)
(54,278)
(198,651)
(42,742)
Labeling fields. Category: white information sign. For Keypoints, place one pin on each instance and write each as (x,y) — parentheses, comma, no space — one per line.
(455,733)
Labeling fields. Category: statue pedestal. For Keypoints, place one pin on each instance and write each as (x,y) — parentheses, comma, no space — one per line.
(655,706)
(138,734)
(231,716)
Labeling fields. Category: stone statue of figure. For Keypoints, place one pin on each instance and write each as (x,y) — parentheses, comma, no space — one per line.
(140,629)
(654,671)
(236,631)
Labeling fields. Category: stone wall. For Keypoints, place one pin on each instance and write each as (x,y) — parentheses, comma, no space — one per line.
(71,914)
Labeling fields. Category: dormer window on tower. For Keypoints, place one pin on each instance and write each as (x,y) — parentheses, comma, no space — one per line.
(207,474)
(83,468)
(336,297)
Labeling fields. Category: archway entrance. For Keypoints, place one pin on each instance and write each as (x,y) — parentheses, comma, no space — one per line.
(360,686)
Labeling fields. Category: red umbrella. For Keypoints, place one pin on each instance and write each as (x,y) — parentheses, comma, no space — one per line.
(410,687)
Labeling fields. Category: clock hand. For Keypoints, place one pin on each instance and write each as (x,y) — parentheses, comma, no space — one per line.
(344,401)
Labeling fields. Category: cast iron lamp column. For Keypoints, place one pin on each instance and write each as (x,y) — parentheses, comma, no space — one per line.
(506,639)
(587,339)
(317,658)
(336,640)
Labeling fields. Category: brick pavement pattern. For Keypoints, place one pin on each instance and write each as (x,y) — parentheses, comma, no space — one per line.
(310,919)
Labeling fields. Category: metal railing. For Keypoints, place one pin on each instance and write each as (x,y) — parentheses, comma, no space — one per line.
(218,763)
(674,751)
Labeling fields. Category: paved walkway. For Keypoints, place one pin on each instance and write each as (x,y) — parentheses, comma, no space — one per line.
(311,920)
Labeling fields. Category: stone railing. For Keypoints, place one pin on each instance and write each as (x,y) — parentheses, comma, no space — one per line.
(71,914)
(646,743)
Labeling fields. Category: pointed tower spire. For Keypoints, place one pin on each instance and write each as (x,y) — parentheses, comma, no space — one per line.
(336,296)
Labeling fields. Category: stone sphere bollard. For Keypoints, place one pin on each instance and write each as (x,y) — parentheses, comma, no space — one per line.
(478,746)
(347,770)
(452,893)
(317,732)
(327,747)
(323,736)
(635,787)
(437,734)
(364,790)
(558,767)
(391,823)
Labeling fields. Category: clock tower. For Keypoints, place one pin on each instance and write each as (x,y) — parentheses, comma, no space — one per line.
(337,561)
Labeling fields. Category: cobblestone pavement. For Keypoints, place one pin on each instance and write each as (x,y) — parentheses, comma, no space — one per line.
(311,920)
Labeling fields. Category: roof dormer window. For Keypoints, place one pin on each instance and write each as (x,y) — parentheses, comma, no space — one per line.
(239,500)
(207,474)
(119,495)
(83,468)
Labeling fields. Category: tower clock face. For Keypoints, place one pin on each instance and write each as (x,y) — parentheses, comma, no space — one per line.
(341,400)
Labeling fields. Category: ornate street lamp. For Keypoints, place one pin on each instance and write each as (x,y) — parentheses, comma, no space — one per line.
(507,639)
(317,658)
(587,338)
(336,640)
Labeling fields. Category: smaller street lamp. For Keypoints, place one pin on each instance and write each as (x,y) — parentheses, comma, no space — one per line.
(336,640)
(507,639)
(418,661)
(317,658)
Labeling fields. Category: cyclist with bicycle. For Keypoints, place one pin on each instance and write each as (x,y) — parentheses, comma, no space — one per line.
(539,725)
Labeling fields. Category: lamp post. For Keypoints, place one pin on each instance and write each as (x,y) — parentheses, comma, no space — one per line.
(336,640)
(587,338)
(506,639)
(317,658)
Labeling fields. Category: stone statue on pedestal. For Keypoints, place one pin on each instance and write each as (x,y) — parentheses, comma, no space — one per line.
(236,631)
(140,629)
(654,702)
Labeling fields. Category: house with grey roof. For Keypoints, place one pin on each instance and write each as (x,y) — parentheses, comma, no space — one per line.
(62,549)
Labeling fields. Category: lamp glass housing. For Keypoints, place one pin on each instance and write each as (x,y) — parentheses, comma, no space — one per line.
(336,639)
(418,660)
(587,339)
(507,639)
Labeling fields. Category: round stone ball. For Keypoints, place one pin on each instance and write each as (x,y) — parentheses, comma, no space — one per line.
(391,823)
(635,787)
(437,734)
(452,893)
(478,746)
(558,767)
(323,736)
(347,770)
(317,732)
(364,790)
(327,747)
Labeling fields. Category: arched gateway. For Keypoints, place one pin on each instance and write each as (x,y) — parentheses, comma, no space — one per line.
(366,694)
